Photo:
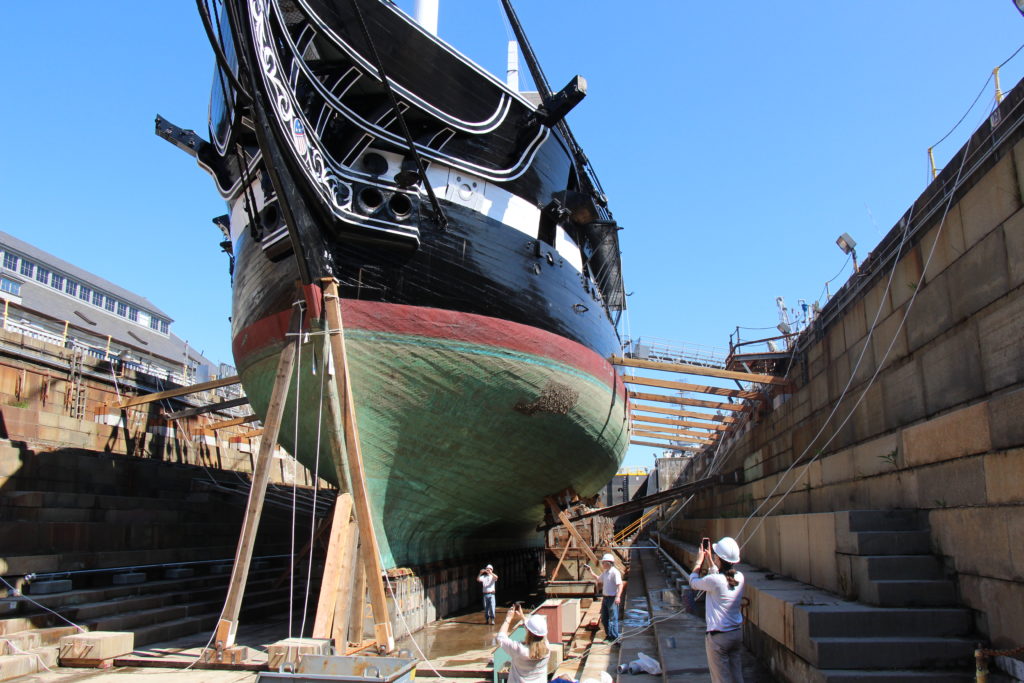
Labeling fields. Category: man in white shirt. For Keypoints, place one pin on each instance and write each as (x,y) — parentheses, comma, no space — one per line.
(611,584)
(487,579)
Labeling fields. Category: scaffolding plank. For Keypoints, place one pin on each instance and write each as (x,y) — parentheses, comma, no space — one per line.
(233,422)
(659,433)
(211,408)
(679,400)
(667,447)
(679,423)
(696,388)
(681,413)
(688,369)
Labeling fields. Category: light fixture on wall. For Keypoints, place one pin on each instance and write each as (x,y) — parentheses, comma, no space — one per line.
(848,245)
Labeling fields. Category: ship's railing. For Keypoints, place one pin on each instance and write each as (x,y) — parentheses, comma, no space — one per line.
(663,350)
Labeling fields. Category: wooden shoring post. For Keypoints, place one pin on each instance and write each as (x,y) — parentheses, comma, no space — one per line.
(356,626)
(234,422)
(370,554)
(227,625)
(181,391)
(348,600)
(332,577)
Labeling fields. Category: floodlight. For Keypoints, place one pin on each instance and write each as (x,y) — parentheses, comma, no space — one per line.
(847,244)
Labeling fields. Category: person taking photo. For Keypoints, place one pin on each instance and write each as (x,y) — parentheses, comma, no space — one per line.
(723,587)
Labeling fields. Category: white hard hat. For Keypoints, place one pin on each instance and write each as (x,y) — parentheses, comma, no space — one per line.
(537,624)
(727,549)
(490,566)
(608,557)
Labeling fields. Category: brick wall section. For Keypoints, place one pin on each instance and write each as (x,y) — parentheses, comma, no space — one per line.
(941,427)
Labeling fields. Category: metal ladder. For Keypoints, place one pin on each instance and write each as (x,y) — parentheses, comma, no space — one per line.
(75,402)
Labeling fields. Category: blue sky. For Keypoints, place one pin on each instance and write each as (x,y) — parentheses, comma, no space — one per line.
(736,141)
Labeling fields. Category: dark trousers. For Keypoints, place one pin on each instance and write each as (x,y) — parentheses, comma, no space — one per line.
(610,616)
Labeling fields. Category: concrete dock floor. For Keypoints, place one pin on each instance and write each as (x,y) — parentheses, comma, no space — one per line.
(654,622)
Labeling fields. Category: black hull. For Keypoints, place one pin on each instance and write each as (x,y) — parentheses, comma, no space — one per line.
(478,265)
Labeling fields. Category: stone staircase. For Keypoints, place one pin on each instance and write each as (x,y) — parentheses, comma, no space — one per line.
(155,611)
(906,623)
(124,543)
(898,618)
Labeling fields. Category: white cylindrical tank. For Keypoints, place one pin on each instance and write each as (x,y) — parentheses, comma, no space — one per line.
(425,13)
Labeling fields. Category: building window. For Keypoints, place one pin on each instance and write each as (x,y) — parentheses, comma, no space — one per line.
(109,304)
(10,261)
(122,309)
(57,281)
(72,288)
(133,314)
(10,286)
(163,326)
(154,323)
(43,275)
(84,293)
(97,299)
(27,268)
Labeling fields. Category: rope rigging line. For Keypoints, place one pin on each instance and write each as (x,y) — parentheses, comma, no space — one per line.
(878,367)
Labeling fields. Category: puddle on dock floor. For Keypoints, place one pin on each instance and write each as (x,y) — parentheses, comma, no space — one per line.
(465,637)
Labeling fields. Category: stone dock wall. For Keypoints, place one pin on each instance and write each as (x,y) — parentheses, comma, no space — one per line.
(936,421)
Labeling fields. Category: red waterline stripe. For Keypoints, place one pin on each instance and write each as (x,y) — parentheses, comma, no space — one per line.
(374,316)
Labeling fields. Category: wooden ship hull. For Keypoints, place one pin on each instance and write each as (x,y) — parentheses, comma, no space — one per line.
(476,258)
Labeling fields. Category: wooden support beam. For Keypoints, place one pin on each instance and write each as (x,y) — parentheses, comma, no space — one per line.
(677,436)
(211,408)
(680,423)
(573,531)
(687,369)
(681,413)
(234,422)
(357,619)
(227,625)
(679,400)
(252,434)
(561,558)
(351,448)
(667,447)
(181,391)
(672,431)
(341,529)
(683,386)
(349,600)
